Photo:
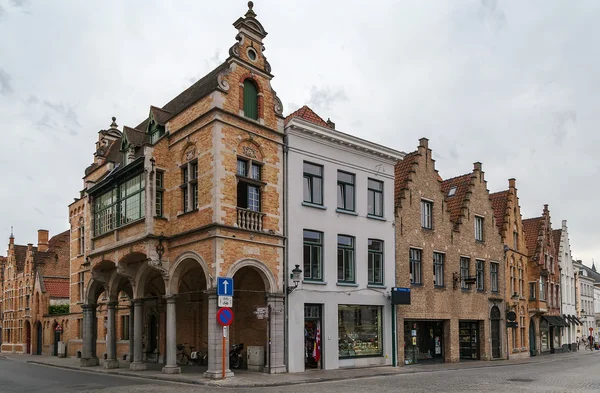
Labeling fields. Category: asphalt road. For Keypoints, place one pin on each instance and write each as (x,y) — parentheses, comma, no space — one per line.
(580,374)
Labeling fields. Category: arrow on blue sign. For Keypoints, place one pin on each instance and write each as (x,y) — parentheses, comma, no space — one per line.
(224,286)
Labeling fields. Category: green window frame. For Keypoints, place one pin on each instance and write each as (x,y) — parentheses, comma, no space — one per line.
(346,259)
(313,183)
(375,262)
(375,198)
(250,99)
(313,255)
(156,131)
(121,205)
(345,194)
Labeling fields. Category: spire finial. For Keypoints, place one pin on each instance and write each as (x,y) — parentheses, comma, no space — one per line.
(114,123)
(250,13)
(11,232)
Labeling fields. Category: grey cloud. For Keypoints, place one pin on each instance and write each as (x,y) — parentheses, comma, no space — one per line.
(66,111)
(321,98)
(2,12)
(5,78)
(20,3)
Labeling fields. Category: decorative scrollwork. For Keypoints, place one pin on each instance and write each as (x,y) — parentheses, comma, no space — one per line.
(248,151)
(223,84)
(234,50)
(267,66)
(158,265)
(278,106)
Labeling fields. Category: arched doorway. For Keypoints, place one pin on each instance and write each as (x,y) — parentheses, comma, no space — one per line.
(532,341)
(56,331)
(39,332)
(27,337)
(495,322)
(153,315)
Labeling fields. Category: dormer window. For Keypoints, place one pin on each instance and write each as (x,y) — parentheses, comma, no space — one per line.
(250,99)
(155,131)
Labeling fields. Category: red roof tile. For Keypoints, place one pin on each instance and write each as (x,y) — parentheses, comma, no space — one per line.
(531,228)
(57,287)
(402,172)
(455,202)
(499,202)
(556,234)
(307,114)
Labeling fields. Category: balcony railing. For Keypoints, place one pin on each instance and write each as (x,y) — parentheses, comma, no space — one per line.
(250,219)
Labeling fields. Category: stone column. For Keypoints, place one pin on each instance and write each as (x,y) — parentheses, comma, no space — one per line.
(88,356)
(215,344)
(171,347)
(138,320)
(276,330)
(131,332)
(111,339)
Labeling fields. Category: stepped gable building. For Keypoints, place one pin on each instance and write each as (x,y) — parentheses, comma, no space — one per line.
(35,294)
(192,193)
(546,321)
(568,301)
(341,236)
(507,212)
(450,255)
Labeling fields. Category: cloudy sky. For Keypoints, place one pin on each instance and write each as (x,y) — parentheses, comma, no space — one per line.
(512,84)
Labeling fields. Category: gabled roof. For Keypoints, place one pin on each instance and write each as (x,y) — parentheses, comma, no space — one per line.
(455,203)
(195,92)
(57,287)
(556,234)
(531,229)
(135,137)
(21,256)
(307,114)
(402,171)
(499,203)
(160,116)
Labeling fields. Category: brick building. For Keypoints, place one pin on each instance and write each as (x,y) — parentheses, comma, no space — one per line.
(507,212)
(192,193)
(35,294)
(450,255)
(546,322)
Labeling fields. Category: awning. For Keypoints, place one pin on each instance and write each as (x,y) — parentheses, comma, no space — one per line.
(568,319)
(554,321)
(577,320)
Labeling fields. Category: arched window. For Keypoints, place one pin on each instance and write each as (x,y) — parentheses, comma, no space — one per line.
(250,99)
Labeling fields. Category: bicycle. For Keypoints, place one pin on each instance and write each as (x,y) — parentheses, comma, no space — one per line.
(193,358)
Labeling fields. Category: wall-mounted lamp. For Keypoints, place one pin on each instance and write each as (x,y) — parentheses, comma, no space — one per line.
(152,161)
(295,276)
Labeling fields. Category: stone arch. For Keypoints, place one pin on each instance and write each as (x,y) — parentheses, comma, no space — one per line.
(495,313)
(178,269)
(250,149)
(265,273)
(118,284)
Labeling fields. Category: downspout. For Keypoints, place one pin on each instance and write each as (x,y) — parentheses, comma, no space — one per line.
(285,250)
(394,327)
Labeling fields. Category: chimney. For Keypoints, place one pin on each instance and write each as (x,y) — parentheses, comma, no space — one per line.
(42,240)
(424,142)
(477,166)
(330,124)
(512,182)
(29,247)
(564,224)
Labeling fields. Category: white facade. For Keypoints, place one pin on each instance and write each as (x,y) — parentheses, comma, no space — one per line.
(568,304)
(597,309)
(351,310)
(586,296)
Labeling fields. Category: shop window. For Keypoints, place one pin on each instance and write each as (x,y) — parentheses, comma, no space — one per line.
(438,269)
(375,198)
(250,99)
(346,259)
(313,255)
(415,266)
(423,342)
(375,268)
(479,265)
(345,194)
(313,183)
(359,331)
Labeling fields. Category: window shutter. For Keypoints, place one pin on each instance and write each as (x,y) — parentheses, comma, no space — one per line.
(250,100)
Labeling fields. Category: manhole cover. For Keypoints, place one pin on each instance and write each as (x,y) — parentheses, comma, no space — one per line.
(520,380)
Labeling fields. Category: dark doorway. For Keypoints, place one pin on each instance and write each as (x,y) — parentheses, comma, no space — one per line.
(39,335)
(423,342)
(153,337)
(27,337)
(313,354)
(468,336)
(532,342)
(495,322)
(56,340)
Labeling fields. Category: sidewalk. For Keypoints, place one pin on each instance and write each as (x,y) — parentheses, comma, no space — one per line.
(245,379)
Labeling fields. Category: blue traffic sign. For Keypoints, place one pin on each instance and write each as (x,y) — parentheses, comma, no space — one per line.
(224,286)
(224,316)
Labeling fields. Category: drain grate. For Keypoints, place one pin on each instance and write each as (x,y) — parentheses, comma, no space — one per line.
(520,380)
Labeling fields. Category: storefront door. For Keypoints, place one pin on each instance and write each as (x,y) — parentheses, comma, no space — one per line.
(423,342)
(312,337)
(468,336)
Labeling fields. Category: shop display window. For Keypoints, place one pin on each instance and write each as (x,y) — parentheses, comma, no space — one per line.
(359,330)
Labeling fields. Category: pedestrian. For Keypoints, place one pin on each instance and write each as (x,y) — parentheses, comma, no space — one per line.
(578,342)
(591,340)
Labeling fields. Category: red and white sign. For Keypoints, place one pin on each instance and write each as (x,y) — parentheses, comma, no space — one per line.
(58,328)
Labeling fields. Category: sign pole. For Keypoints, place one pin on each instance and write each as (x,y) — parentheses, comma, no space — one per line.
(223,355)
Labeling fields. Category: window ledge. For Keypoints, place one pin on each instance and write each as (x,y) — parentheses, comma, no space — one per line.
(188,212)
(346,284)
(376,217)
(349,212)
(379,286)
(479,241)
(314,282)
(416,284)
(308,204)
(430,229)
(439,287)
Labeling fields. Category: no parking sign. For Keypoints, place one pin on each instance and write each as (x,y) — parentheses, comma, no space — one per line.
(225,316)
